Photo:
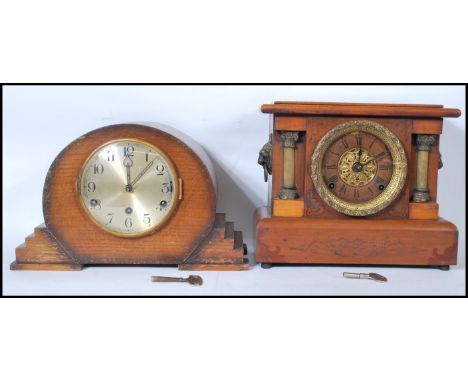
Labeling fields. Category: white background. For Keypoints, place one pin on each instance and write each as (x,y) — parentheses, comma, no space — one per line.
(41,120)
(242,41)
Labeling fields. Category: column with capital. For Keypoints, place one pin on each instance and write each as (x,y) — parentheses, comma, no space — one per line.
(289,140)
(423,147)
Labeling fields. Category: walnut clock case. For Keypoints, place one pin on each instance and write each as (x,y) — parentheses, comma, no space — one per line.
(354,184)
(132,194)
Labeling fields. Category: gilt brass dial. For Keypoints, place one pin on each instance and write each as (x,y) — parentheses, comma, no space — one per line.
(348,164)
(359,168)
(128,187)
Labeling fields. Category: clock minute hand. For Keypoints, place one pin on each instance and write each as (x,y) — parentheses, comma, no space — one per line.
(140,175)
(360,154)
(128,163)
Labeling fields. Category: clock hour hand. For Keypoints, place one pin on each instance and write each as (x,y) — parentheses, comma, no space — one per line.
(369,161)
(140,175)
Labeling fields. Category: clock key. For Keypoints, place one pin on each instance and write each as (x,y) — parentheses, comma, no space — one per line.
(192,280)
(366,276)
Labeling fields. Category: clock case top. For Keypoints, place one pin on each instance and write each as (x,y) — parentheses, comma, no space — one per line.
(314,119)
(360,109)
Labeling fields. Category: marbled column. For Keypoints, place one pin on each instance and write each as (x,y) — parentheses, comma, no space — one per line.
(423,147)
(288,190)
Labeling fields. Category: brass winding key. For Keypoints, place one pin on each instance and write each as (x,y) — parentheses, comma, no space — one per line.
(366,276)
(192,280)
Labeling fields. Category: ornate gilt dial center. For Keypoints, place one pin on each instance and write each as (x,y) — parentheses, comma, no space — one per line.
(357,167)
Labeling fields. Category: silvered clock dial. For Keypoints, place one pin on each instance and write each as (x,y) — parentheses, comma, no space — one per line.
(128,187)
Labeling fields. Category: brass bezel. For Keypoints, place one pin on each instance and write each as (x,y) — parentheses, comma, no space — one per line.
(176,197)
(396,184)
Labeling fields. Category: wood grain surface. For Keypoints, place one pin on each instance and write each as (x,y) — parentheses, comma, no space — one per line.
(313,129)
(69,236)
(69,224)
(326,241)
(358,104)
(404,233)
(408,111)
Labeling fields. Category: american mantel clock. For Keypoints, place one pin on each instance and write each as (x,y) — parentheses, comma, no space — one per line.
(354,184)
(132,194)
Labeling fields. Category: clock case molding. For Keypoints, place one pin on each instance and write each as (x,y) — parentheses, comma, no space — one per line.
(299,227)
(194,238)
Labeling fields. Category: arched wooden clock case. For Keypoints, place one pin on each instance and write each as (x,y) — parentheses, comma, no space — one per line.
(194,236)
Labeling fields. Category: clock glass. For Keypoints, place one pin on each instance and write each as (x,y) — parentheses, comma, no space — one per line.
(359,168)
(128,187)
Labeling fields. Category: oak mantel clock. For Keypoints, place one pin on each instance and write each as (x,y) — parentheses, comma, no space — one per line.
(354,184)
(132,194)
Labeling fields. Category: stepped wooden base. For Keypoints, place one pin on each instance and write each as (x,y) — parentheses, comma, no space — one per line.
(355,241)
(215,267)
(41,252)
(223,249)
(15,266)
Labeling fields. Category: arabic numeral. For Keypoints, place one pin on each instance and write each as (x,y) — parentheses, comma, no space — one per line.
(91,187)
(98,169)
(95,204)
(160,169)
(110,156)
(110,216)
(147,219)
(166,188)
(162,205)
(129,151)
(128,223)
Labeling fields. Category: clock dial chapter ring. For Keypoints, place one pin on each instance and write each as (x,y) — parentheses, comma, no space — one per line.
(387,193)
